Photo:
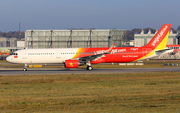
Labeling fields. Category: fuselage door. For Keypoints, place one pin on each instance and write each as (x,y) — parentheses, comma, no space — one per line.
(24,54)
(146,51)
(57,53)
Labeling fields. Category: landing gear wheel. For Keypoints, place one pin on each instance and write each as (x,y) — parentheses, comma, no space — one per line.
(24,69)
(89,68)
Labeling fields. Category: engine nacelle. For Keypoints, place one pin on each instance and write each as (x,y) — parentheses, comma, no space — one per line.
(72,63)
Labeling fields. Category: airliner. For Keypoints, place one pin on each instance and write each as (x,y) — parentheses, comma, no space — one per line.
(75,57)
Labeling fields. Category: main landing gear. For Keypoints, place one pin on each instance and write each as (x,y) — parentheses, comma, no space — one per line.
(89,68)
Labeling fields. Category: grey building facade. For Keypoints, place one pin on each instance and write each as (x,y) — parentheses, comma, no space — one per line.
(142,38)
(73,38)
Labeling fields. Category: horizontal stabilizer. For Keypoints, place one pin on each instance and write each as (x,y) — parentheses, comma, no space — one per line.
(164,51)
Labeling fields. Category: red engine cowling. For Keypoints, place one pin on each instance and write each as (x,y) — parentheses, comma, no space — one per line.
(72,63)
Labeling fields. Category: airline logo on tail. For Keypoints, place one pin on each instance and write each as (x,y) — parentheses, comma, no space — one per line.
(159,36)
(160,39)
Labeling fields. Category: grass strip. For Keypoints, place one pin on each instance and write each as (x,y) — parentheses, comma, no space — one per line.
(134,92)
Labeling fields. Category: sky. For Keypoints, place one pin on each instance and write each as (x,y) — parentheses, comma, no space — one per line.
(86,14)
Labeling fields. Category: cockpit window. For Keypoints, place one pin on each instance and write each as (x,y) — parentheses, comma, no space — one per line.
(15,54)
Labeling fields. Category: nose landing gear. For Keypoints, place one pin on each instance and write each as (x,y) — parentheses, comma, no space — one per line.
(25,67)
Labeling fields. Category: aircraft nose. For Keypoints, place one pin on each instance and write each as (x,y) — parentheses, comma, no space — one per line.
(8,58)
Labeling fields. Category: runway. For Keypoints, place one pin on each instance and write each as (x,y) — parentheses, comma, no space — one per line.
(49,71)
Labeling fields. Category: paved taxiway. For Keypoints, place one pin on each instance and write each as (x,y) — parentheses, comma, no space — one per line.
(48,71)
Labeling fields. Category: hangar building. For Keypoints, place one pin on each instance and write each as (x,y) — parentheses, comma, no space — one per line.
(142,38)
(73,38)
(178,35)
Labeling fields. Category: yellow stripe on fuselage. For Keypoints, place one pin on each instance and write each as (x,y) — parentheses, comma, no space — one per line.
(78,51)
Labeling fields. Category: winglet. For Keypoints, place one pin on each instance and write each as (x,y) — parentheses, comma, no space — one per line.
(110,49)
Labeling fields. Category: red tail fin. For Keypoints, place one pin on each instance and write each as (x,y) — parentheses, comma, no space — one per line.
(159,41)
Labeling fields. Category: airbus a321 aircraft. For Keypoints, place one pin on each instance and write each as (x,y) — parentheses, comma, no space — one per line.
(74,57)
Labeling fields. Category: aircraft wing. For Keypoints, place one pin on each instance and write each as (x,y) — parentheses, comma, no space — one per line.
(96,56)
(92,57)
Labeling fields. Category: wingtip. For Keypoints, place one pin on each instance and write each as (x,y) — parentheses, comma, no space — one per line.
(112,45)
(110,49)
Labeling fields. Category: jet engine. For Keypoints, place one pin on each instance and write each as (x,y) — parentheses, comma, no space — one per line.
(73,63)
